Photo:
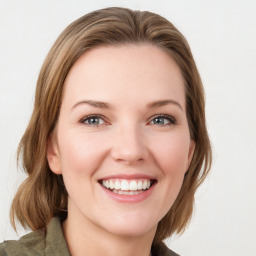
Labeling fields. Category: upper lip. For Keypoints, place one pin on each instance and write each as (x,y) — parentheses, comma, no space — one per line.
(128,177)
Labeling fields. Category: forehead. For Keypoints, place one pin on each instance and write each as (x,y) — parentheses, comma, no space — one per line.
(126,72)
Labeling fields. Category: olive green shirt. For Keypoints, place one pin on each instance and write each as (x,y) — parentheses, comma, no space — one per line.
(51,242)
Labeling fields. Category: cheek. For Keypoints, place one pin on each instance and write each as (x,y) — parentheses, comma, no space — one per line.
(80,158)
(172,154)
(80,154)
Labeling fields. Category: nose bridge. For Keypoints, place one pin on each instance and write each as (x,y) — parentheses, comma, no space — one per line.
(128,144)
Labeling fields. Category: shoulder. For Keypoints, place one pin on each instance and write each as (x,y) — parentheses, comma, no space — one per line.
(162,250)
(46,242)
(30,244)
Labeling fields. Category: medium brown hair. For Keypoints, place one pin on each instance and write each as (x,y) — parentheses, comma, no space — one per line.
(42,195)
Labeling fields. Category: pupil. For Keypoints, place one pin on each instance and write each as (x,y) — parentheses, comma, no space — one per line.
(159,120)
(93,121)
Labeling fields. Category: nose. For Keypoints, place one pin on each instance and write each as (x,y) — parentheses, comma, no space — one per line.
(129,146)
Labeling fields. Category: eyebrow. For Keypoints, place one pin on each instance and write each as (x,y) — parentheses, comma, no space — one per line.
(160,103)
(93,103)
(104,105)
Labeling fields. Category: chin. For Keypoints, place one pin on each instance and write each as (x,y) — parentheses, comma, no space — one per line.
(131,226)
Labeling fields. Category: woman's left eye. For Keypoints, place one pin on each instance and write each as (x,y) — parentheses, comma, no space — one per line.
(93,120)
(162,120)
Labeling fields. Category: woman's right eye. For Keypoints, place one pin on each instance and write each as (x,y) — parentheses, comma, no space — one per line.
(93,120)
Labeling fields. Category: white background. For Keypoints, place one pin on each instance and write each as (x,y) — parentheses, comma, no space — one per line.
(222,35)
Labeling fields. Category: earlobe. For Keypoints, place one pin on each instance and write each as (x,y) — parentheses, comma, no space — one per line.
(191,152)
(53,156)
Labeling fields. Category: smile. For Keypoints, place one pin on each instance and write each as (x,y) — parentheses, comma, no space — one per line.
(127,187)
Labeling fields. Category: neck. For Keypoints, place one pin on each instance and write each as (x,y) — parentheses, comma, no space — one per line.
(86,238)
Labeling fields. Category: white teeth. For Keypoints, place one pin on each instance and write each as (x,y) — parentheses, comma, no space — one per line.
(117,185)
(129,186)
(111,184)
(131,193)
(124,185)
(139,186)
(145,183)
(133,185)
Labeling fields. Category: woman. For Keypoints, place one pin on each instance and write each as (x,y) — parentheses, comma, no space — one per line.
(117,143)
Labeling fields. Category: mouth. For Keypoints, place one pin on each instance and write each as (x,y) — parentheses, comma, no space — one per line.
(127,187)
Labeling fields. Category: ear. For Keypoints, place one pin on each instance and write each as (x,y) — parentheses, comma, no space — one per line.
(53,155)
(191,152)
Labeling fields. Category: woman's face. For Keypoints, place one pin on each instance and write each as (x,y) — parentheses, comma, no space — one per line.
(122,140)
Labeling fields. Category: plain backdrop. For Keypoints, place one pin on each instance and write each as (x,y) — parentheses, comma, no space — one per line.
(222,35)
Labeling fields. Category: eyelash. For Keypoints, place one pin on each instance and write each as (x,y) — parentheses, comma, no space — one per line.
(171,120)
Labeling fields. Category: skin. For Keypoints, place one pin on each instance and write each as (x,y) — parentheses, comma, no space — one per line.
(129,138)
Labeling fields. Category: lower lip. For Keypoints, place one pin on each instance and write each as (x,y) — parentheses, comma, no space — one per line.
(129,198)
